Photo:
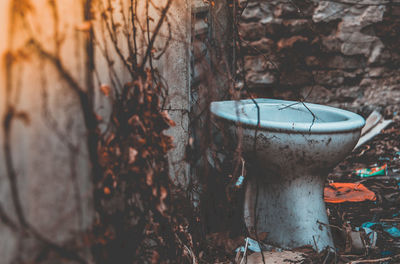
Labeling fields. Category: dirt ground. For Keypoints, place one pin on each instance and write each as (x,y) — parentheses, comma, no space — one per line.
(382,149)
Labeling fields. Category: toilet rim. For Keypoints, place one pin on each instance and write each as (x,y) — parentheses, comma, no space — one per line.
(228,110)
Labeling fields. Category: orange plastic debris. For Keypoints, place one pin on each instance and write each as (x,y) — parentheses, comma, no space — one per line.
(347,192)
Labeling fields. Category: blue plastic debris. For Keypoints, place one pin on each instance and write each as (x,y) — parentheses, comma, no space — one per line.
(393,231)
(252,244)
(388,228)
(386,253)
(239,181)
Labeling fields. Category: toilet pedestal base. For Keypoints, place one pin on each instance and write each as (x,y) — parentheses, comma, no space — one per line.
(292,212)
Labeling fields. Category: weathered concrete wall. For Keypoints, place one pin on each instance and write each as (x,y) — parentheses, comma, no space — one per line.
(48,138)
(345,48)
(175,67)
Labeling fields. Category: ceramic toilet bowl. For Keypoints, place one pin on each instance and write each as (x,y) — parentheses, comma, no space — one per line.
(291,148)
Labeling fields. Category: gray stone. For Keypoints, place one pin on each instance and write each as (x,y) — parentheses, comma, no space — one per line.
(285,10)
(366,82)
(252,30)
(331,43)
(376,72)
(376,52)
(295,78)
(260,63)
(329,11)
(267,8)
(344,93)
(255,13)
(252,3)
(264,45)
(336,62)
(354,48)
(297,26)
(329,78)
(372,14)
(344,62)
(316,94)
(385,56)
(274,27)
(349,74)
(255,80)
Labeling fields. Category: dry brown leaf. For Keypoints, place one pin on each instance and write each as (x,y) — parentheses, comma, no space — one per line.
(132,155)
(161,207)
(105,89)
(149,177)
(167,118)
(163,193)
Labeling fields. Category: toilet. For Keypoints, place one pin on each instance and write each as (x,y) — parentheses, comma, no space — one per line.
(291,148)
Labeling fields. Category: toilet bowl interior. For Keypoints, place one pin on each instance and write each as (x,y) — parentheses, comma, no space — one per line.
(293,114)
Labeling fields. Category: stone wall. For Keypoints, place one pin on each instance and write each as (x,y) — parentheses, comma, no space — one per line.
(346,50)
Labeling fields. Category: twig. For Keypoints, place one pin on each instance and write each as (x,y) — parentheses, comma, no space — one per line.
(157,29)
(245,250)
(370,260)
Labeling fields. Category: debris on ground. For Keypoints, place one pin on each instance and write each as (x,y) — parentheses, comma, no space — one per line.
(375,171)
(391,229)
(374,124)
(339,192)
(276,257)
(377,221)
(371,235)
(255,246)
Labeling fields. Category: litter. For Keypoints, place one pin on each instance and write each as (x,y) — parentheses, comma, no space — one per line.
(251,244)
(371,235)
(376,171)
(373,126)
(254,246)
(276,257)
(386,253)
(355,242)
(239,181)
(347,192)
(388,228)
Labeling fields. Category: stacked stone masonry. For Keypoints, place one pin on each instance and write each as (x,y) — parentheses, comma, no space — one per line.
(334,46)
